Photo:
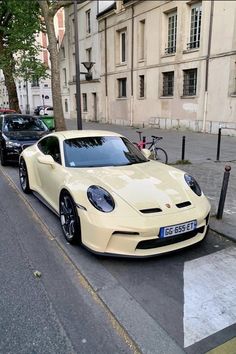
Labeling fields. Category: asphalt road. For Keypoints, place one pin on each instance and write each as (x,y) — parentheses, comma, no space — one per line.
(183,302)
(55,312)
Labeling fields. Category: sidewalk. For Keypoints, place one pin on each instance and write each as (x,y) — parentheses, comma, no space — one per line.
(200,151)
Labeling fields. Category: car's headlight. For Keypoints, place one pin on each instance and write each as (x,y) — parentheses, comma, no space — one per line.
(193,184)
(100,199)
(12,144)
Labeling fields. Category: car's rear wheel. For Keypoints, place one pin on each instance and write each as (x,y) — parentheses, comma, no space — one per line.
(24,178)
(3,158)
(69,218)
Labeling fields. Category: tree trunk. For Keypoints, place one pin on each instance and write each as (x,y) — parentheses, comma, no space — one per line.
(11,89)
(9,81)
(55,69)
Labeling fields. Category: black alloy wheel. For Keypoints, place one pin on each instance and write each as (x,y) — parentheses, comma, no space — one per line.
(69,218)
(24,178)
(2,157)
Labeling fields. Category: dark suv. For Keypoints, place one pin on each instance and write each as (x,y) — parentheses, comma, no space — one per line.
(18,131)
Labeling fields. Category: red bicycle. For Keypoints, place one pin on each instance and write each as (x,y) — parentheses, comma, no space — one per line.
(157,153)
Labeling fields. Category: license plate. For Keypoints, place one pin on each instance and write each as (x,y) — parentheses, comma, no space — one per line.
(174,230)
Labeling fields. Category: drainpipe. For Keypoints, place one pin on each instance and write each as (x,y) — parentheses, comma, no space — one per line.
(207,68)
(132,71)
(106,86)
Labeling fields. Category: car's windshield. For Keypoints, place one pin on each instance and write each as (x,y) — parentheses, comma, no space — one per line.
(23,123)
(101,151)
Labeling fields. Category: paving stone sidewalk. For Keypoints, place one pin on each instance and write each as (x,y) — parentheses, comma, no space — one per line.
(210,177)
(200,152)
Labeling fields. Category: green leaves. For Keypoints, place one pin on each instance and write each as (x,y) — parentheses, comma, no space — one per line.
(19,25)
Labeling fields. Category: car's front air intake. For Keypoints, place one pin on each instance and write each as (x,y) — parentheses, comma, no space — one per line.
(183,204)
(151,211)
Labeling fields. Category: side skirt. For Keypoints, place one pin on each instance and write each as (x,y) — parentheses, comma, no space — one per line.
(39,197)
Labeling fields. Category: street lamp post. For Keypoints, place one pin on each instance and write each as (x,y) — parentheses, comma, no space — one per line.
(77,69)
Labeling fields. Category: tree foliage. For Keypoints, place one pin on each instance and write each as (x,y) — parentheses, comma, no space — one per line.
(19,25)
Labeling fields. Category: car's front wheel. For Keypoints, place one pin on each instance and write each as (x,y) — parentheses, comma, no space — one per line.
(69,218)
(24,178)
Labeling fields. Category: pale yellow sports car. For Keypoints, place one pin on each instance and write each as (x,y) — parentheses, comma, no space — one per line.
(111,197)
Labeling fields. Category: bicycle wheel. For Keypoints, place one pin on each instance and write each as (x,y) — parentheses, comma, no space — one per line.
(160,155)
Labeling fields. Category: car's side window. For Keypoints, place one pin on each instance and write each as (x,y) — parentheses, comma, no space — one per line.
(0,123)
(50,146)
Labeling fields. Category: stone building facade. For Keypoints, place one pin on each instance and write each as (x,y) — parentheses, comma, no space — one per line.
(169,63)
(89,51)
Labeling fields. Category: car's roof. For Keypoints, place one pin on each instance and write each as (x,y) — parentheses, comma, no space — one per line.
(71,134)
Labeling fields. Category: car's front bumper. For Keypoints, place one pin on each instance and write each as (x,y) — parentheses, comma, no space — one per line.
(12,153)
(140,236)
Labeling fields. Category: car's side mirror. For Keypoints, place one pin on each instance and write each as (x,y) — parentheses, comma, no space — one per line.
(146,153)
(46,160)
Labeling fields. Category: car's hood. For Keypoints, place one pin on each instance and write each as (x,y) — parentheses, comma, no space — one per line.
(144,186)
(25,135)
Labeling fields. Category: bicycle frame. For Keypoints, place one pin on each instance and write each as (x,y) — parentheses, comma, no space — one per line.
(157,152)
(142,143)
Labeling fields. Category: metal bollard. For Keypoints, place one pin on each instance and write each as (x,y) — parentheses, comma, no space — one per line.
(218,145)
(183,148)
(144,142)
(223,192)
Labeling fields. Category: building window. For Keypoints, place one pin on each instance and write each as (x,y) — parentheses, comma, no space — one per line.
(89,54)
(168,83)
(75,101)
(190,82)
(122,88)
(123,46)
(73,30)
(172,31)
(64,77)
(63,52)
(234,80)
(66,105)
(141,86)
(195,27)
(35,82)
(88,21)
(85,103)
(142,40)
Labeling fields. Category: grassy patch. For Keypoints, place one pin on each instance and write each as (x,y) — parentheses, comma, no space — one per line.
(182,162)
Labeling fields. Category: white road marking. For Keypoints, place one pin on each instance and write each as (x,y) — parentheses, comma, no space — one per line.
(209,295)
